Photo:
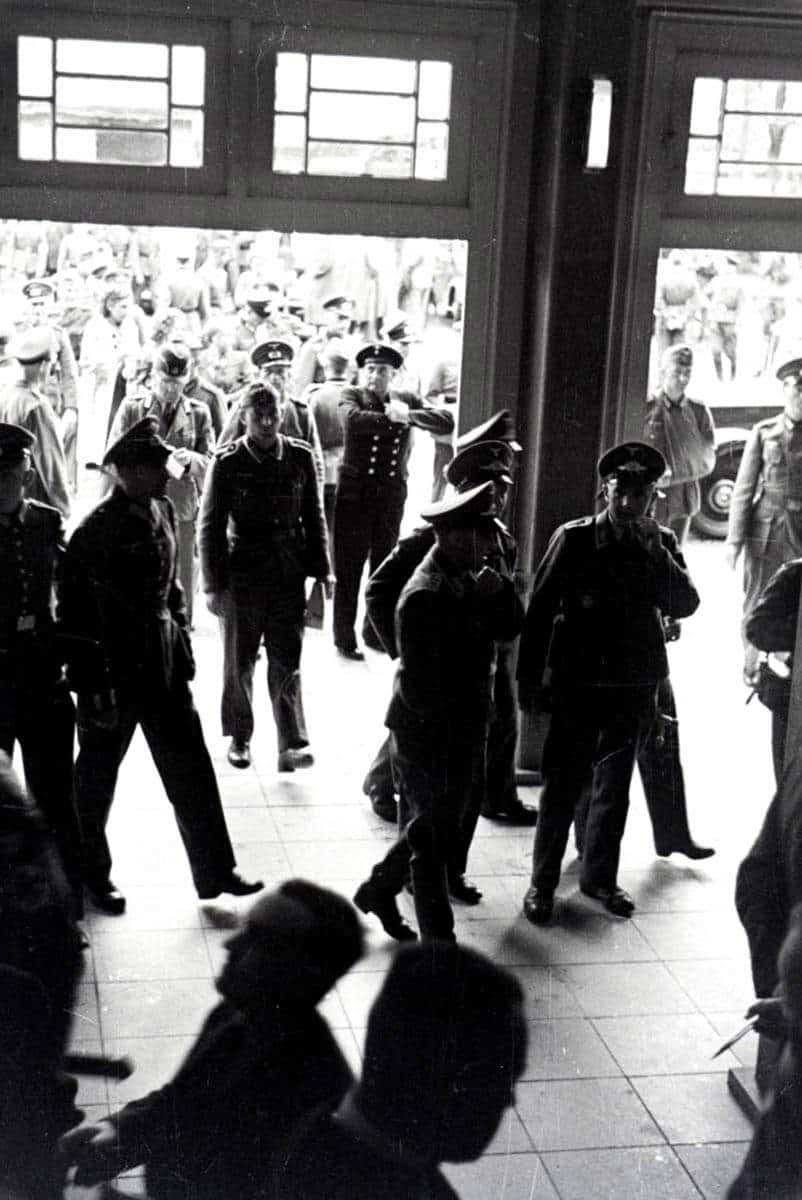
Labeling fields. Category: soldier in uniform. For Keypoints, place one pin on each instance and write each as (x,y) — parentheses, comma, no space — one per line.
(199,387)
(766,509)
(36,709)
(120,588)
(593,651)
(25,403)
(372,487)
(309,366)
(262,532)
(458,603)
(185,425)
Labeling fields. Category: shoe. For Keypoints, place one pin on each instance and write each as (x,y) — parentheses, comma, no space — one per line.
(233,884)
(513,812)
(690,849)
(239,754)
(369,899)
(538,906)
(384,804)
(615,900)
(106,898)
(352,652)
(295,760)
(459,888)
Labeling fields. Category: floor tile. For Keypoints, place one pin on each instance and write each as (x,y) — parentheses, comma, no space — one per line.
(331,859)
(639,1174)
(153,907)
(313,822)
(715,985)
(574,937)
(584,1113)
(626,989)
(155,1059)
(675,885)
(251,824)
(713,1167)
(566,1049)
(176,1006)
(151,954)
(664,1045)
(547,993)
(510,1137)
(86,1016)
(694,1108)
(356,992)
(694,935)
(512,1177)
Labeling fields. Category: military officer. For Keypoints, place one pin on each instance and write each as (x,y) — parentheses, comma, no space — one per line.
(766,508)
(36,709)
(262,532)
(26,403)
(593,651)
(120,588)
(372,485)
(185,425)
(309,366)
(458,603)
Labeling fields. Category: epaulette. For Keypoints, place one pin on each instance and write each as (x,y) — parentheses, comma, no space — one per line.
(579,523)
(299,443)
(226,450)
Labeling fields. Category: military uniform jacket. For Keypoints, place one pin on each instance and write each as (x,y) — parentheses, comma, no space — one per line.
(595,614)
(261,517)
(20,405)
(377,449)
(772,459)
(190,428)
(31,551)
(120,588)
(296,422)
(446,634)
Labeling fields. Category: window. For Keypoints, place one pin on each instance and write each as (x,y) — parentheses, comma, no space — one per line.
(89,101)
(350,115)
(745,138)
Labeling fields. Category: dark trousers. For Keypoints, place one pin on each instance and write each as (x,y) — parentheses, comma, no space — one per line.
(779,732)
(316,604)
(502,738)
(276,615)
(43,722)
(437,823)
(367,519)
(380,776)
(174,735)
(592,729)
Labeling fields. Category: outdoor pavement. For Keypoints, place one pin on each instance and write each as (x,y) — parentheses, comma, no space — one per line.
(620,1099)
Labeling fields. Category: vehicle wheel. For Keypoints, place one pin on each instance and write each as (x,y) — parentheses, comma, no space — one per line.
(711,520)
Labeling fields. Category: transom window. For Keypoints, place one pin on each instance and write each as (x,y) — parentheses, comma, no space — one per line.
(90,101)
(349,115)
(745,138)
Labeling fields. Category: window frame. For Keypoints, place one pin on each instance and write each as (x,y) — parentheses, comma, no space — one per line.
(212,35)
(268,40)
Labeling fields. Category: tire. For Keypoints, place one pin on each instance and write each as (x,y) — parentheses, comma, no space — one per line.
(711,520)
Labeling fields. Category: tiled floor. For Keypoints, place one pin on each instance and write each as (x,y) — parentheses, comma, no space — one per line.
(620,1098)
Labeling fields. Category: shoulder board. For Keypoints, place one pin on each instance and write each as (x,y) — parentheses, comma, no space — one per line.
(227,450)
(579,523)
(298,443)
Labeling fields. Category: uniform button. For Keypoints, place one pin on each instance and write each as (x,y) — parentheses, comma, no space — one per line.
(371,471)
(392,473)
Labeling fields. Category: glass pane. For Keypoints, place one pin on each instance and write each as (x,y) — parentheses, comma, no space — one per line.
(291,77)
(343,73)
(186,137)
(368,118)
(764,95)
(35,66)
(700,167)
(706,107)
(339,158)
(601,107)
(289,145)
(111,102)
(130,146)
(82,56)
(431,158)
(189,75)
(762,139)
(747,179)
(434,91)
(35,130)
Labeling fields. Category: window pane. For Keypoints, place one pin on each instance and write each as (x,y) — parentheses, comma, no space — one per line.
(84,57)
(289,145)
(431,158)
(434,91)
(747,179)
(706,107)
(339,158)
(35,66)
(342,72)
(186,137)
(111,102)
(189,75)
(35,130)
(762,139)
(700,167)
(113,146)
(601,107)
(764,95)
(371,118)
(291,78)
